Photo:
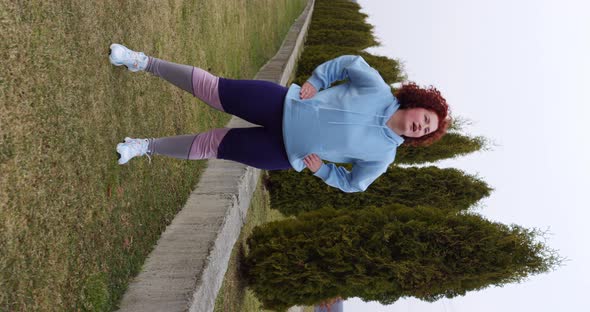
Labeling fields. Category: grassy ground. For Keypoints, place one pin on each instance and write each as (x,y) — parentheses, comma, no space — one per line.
(75,226)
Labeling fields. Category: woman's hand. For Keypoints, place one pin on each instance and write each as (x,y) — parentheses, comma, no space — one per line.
(313,162)
(307,91)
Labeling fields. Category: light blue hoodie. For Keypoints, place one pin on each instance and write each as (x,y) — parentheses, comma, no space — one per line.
(343,124)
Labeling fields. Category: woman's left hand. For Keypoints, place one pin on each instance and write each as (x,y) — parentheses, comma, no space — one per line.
(307,91)
(313,162)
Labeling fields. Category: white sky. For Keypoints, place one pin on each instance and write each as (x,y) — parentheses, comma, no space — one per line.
(519,69)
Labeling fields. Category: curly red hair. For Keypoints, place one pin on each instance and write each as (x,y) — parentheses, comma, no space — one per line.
(410,95)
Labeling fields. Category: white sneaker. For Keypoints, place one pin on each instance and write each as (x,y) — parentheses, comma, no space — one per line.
(132,148)
(121,55)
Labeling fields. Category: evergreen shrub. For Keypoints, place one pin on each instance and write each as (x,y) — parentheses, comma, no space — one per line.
(389,69)
(340,23)
(387,253)
(349,13)
(346,38)
(331,4)
(450,189)
(451,145)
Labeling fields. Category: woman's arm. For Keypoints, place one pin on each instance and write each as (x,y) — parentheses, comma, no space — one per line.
(362,175)
(352,67)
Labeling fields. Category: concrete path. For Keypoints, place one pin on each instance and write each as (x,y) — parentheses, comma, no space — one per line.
(186,269)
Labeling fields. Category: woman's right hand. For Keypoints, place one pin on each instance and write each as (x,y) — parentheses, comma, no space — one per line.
(313,162)
(307,91)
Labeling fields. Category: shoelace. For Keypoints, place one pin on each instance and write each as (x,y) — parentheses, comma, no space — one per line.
(147,152)
(137,147)
(135,58)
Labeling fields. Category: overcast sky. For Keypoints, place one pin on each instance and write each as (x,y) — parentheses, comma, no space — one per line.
(520,70)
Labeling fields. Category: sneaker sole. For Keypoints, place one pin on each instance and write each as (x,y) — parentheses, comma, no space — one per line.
(120,156)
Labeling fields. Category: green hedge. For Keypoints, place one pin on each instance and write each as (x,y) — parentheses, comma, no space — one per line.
(450,189)
(389,69)
(346,38)
(450,146)
(340,23)
(387,253)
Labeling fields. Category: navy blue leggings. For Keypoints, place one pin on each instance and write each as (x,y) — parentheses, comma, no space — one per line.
(261,103)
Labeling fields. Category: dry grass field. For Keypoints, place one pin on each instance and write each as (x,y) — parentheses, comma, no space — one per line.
(75,227)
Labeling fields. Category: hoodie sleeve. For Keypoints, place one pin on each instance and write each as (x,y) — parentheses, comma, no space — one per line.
(362,175)
(352,67)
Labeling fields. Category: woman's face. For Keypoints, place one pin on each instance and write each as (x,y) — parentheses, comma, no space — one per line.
(416,122)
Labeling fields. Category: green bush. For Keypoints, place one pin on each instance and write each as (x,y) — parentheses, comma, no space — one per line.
(346,38)
(450,189)
(389,69)
(387,253)
(349,13)
(339,23)
(450,146)
(314,55)
(331,4)
(339,28)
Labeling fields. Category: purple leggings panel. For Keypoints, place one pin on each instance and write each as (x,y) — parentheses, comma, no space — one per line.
(193,146)
(259,102)
(206,144)
(257,147)
(205,87)
(193,80)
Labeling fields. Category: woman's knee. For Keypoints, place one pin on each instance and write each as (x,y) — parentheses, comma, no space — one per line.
(206,87)
(206,144)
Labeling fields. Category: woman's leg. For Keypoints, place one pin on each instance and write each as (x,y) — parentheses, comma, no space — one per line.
(191,79)
(194,146)
(257,101)
(194,80)
(258,147)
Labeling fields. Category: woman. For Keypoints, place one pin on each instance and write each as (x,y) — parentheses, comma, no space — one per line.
(358,122)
